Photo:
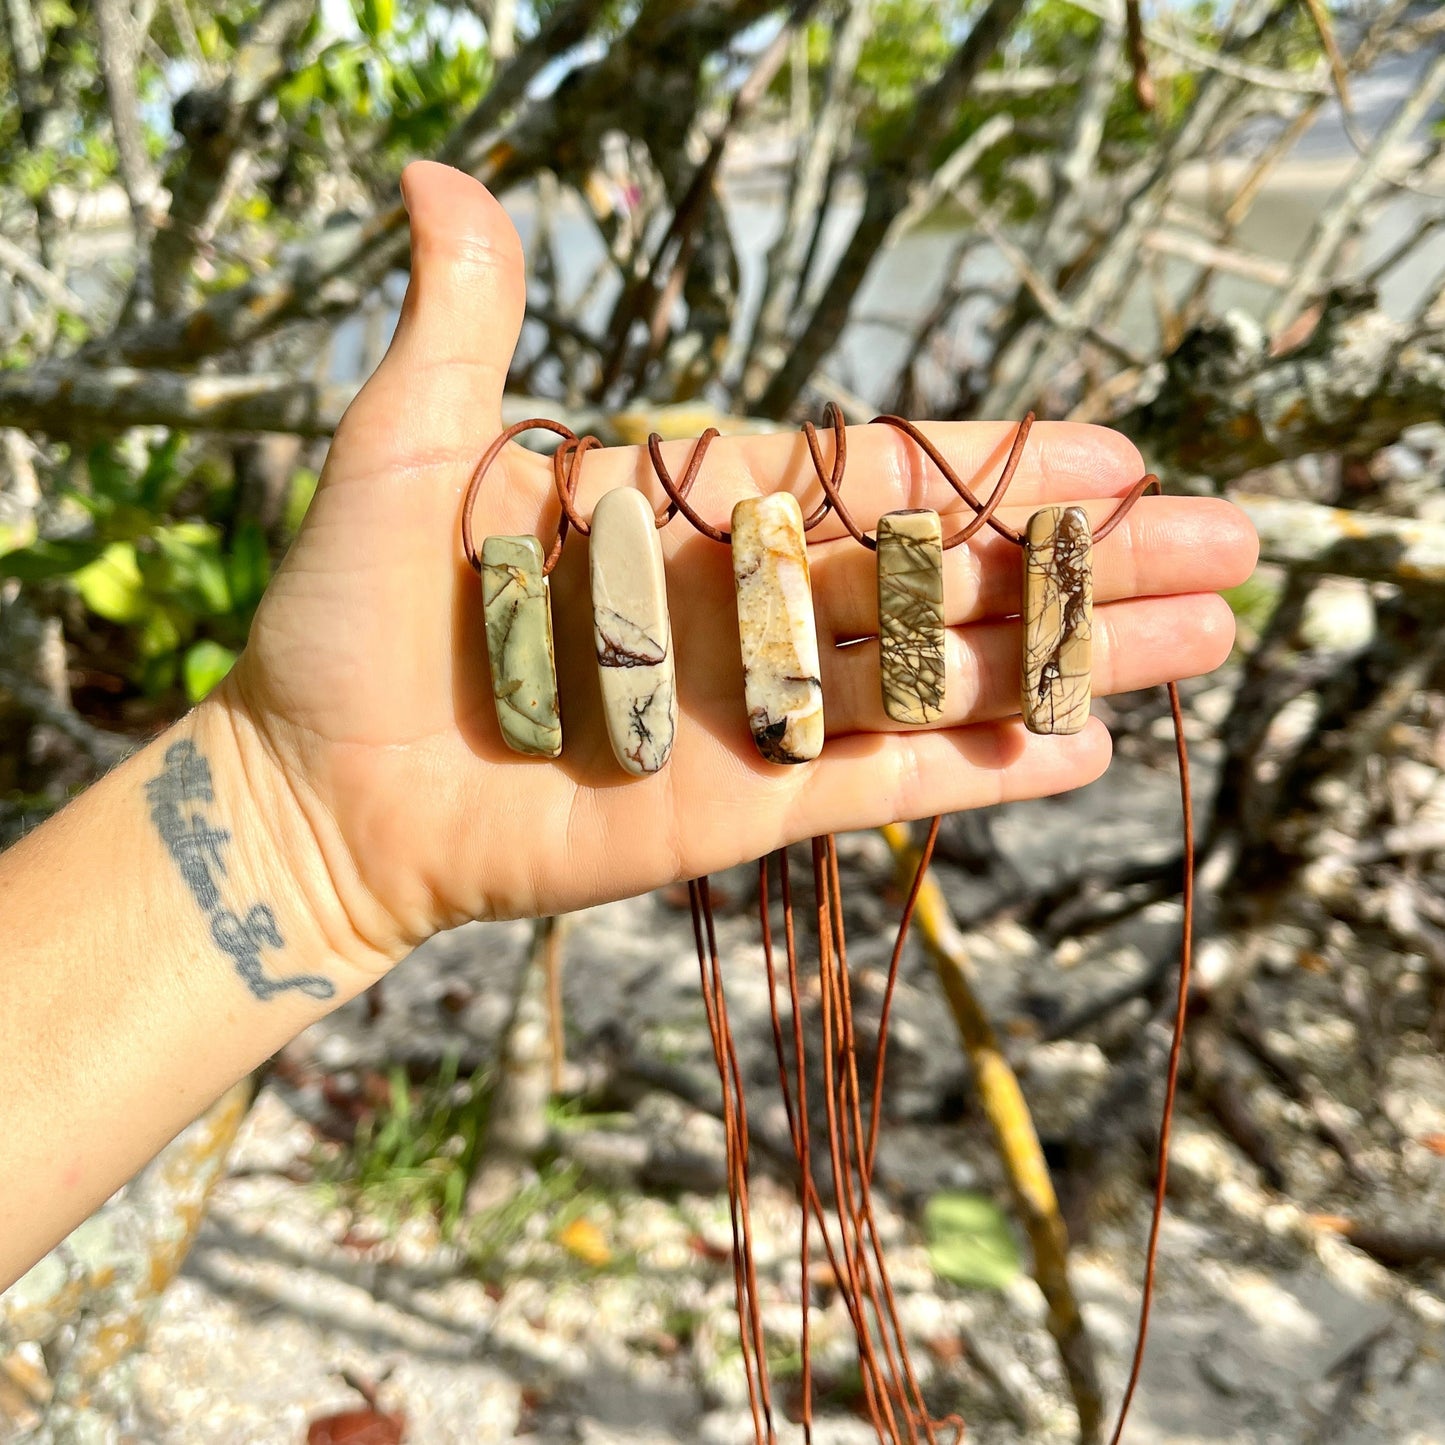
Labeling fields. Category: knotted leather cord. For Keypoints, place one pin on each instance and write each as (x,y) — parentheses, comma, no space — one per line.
(892,1396)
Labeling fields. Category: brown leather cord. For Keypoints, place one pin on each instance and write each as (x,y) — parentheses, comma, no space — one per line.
(677,491)
(985,510)
(832,479)
(735,1126)
(920,873)
(566,473)
(479,472)
(848,1234)
(1181,1012)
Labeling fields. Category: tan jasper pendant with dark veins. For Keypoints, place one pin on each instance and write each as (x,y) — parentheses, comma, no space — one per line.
(1058,620)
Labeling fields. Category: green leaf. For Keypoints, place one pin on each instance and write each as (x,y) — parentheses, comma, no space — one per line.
(970,1240)
(161,478)
(42,560)
(205,665)
(192,566)
(298,499)
(248,567)
(112,586)
(158,674)
(110,477)
(17,535)
(376,17)
(162,631)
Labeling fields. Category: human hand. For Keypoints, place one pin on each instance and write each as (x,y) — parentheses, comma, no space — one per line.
(364,687)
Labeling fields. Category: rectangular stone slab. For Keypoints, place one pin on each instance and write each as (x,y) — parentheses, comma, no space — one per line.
(1058,620)
(518,607)
(633,630)
(779,637)
(910,615)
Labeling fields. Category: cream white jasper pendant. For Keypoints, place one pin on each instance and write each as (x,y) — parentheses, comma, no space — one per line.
(776,628)
(632,629)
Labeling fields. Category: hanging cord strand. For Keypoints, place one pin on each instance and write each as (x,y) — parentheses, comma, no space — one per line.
(735,1133)
(865,1222)
(813,1205)
(797,1118)
(870,1156)
(1176,1047)
(920,873)
(885,1421)
(799,1125)
(848,1143)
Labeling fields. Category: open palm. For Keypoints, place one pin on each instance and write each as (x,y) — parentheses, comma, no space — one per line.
(366,671)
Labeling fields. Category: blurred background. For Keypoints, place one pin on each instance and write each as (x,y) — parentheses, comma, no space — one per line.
(485,1202)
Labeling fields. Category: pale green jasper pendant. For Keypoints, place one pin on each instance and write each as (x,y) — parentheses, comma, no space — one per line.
(632,630)
(776,629)
(910,615)
(518,609)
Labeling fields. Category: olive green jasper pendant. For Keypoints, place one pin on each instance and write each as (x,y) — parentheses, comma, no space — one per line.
(1058,620)
(910,615)
(518,610)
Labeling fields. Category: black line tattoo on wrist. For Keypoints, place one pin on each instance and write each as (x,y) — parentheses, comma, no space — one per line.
(198,851)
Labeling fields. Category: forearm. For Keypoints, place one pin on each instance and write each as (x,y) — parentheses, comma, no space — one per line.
(163,935)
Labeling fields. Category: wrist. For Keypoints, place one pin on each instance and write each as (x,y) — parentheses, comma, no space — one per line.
(286,857)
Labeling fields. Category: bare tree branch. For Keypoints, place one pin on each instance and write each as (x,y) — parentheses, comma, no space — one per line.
(1168,242)
(332,273)
(1313,538)
(1263,76)
(18,260)
(786,256)
(1342,216)
(1226,405)
(217,126)
(120,42)
(670,263)
(1022,369)
(100,746)
(63,399)
(894,174)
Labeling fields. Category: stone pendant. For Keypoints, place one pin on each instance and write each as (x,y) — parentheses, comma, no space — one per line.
(632,630)
(779,638)
(1058,620)
(910,615)
(518,605)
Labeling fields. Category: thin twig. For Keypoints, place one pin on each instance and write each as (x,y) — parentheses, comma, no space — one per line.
(102,747)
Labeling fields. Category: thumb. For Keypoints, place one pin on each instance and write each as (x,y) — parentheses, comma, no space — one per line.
(447,364)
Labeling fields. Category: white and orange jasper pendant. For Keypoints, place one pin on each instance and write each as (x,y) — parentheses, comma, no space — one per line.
(1058,620)
(776,628)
